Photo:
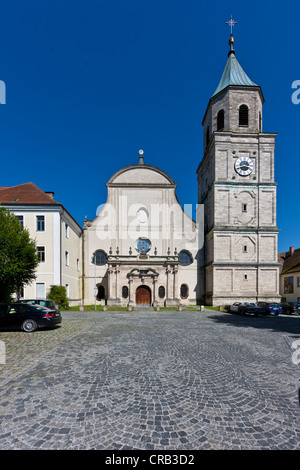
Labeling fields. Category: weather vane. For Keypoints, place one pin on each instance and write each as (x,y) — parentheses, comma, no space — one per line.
(231,23)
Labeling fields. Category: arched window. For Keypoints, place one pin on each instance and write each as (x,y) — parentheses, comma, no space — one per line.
(184,291)
(100,258)
(161,292)
(125,292)
(101,293)
(243,115)
(185,258)
(220,120)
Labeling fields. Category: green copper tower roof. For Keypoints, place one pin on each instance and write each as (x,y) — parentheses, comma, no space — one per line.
(233,73)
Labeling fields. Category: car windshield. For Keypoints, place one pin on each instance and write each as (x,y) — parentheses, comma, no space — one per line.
(274,305)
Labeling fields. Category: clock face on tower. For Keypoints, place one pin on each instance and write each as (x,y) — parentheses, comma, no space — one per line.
(244,166)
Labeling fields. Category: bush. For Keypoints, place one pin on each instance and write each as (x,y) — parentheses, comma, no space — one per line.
(59,295)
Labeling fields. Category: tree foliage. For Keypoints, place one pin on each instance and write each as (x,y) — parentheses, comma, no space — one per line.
(59,295)
(18,255)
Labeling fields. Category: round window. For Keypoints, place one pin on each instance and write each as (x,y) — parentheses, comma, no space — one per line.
(143,245)
(100,258)
(185,258)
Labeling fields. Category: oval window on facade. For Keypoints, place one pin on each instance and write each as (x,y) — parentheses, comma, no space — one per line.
(125,292)
(161,292)
(184,291)
(100,258)
(185,258)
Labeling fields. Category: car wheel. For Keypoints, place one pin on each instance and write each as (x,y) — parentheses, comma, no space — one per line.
(29,326)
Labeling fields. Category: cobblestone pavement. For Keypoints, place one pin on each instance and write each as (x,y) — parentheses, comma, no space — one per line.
(152,380)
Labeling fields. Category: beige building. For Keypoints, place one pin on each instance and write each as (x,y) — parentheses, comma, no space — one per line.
(290,275)
(141,249)
(58,238)
(236,185)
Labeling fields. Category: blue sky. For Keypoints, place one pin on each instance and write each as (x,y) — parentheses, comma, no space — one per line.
(89,84)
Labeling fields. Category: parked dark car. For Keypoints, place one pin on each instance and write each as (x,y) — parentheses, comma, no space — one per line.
(28,317)
(271,308)
(43,302)
(262,308)
(290,307)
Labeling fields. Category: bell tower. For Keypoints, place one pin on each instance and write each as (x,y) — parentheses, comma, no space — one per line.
(237,189)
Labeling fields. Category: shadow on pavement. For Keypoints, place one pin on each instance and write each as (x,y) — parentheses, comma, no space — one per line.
(283,324)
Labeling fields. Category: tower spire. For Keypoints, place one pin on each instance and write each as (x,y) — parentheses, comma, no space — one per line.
(231,23)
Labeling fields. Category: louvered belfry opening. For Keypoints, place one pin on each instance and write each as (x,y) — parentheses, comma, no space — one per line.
(243,115)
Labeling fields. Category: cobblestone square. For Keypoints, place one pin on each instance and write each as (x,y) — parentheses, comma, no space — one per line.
(163,380)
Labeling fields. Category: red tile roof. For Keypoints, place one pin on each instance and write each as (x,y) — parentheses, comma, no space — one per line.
(27,193)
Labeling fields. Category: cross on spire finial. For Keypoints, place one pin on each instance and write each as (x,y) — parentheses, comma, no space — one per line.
(231,23)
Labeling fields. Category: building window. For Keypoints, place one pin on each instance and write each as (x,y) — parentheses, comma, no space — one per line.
(184,291)
(100,258)
(40,290)
(67,290)
(244,207)
(185,258)
(243,115)
(77,264)
(161,292)
(67,258)
(245,249)
(40,223)
(245,277)
(298,281)
(125,292)
(21,220)
(66,230)
(41,253)
(101,293)
(220,120)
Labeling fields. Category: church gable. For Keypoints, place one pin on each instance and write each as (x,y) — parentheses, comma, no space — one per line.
(140,175)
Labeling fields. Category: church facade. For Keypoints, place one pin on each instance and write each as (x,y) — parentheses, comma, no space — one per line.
(141,249)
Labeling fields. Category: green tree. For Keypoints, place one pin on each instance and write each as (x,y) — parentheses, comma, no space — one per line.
(18,255)
(59,295)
